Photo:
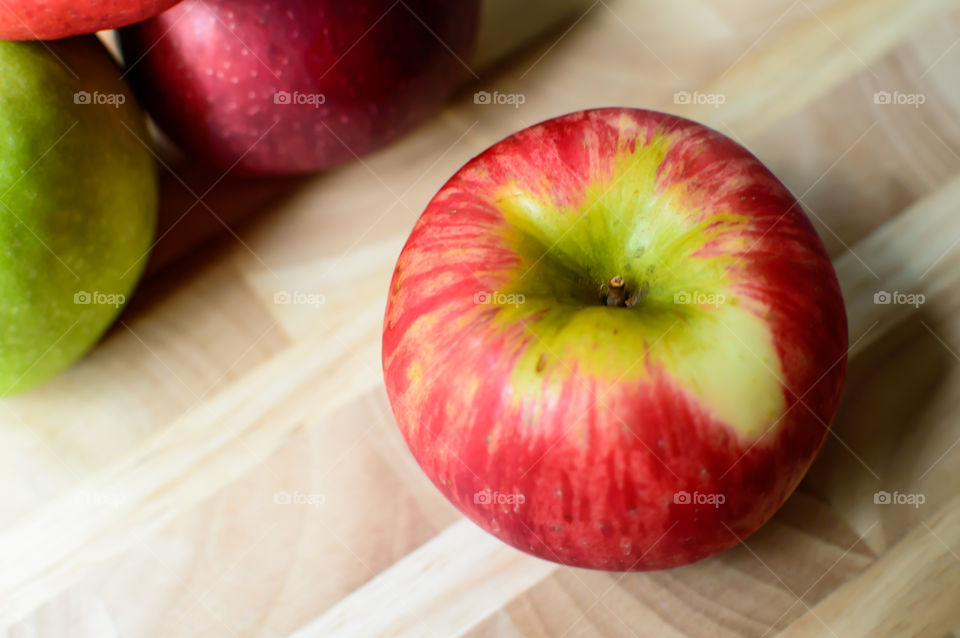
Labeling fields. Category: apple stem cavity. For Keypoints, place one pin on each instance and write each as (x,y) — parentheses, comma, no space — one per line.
(616,293)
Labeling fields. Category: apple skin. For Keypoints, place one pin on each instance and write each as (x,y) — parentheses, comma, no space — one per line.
(78,203)
(55,19)
(210,73)
(571,429)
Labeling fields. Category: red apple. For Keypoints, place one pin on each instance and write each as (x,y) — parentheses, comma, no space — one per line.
(296,86)
(54,19)
(615,341)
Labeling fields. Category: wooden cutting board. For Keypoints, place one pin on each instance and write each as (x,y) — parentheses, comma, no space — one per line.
(224,465)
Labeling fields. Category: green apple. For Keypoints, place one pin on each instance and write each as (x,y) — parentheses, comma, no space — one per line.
(78,203)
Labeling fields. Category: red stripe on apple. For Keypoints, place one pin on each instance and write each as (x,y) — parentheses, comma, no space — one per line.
(55,19)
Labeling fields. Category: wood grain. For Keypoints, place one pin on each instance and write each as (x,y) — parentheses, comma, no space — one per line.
(820,52)
(461,577)
(140,487)
(909,591)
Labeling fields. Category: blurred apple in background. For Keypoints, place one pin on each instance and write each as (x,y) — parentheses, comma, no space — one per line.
(54,19)
(78,199)
(228,201)
(296,86)
(184,224)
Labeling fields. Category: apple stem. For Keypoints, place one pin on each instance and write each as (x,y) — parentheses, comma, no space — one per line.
(616,292)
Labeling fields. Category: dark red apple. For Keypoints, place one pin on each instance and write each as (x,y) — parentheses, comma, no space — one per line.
(614,340)
(296,86)
(54,19)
